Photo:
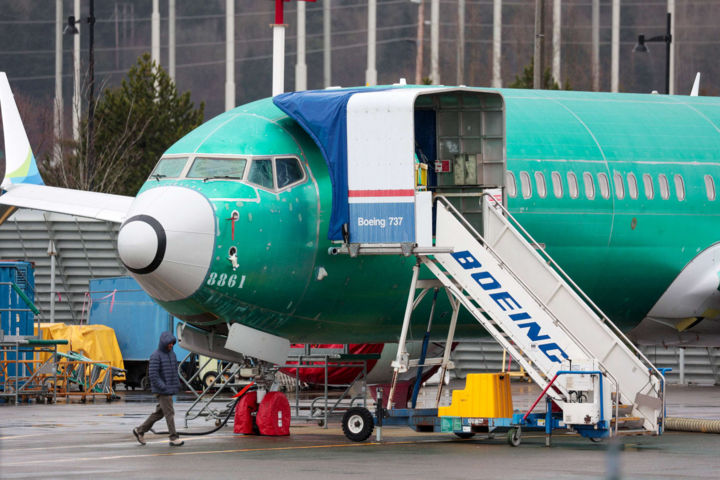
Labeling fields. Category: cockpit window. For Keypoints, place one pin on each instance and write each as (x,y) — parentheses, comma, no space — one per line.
(289,171)
(228,168)
(169,168)
(261,173)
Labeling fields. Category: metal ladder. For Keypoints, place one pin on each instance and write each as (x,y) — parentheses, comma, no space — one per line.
(535,311)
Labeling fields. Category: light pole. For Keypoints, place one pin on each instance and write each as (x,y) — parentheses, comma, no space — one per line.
(419,41)
(71,29)
(539,47)
(640,47)
(435,41)
(371,72)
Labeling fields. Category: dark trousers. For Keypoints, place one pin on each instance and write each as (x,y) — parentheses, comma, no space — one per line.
(164,409)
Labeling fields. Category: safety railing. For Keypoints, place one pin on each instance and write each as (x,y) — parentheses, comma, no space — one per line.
(321,404)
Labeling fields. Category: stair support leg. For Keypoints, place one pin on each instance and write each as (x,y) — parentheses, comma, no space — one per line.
(400,363)
(423,353)
(548,421)
(448,344)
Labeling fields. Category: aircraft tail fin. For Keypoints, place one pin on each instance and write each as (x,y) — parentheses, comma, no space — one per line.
(20,165)
(696,86)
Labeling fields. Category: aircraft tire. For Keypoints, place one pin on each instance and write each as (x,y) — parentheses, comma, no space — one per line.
(358,424)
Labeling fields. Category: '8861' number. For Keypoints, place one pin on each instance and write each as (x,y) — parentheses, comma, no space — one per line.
(222,280)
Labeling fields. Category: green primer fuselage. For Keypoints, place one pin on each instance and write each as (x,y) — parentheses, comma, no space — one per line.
(282,242)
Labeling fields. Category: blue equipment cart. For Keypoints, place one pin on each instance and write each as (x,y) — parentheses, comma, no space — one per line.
(138,321)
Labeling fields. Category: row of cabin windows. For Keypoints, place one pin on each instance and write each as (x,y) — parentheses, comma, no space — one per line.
(604,185)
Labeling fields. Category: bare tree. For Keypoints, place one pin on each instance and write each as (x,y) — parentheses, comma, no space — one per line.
(113,159)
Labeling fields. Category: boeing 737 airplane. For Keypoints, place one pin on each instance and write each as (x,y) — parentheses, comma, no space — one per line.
(236,221)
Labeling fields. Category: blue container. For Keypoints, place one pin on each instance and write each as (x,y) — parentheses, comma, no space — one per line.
(13,321)
(15,316)
(137,320)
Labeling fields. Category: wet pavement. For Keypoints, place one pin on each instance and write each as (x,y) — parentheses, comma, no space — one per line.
(95,440)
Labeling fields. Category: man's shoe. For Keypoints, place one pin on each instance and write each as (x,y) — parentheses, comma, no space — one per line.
(176,443)
(140,437)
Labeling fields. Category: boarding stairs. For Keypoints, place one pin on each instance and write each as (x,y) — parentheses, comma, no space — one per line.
(538,314)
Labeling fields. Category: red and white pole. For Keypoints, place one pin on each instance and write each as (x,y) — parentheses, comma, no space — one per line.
(278,81)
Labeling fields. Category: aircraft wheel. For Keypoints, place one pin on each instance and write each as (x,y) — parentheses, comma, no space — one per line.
(464,435)
(358,424)
(513,437)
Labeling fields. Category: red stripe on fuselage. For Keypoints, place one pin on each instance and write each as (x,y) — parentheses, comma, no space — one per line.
(381,193)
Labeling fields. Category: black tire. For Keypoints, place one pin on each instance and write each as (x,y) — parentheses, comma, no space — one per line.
(145,383)
(514,437)
(358,424)
(464,435)
(208,379)
(596,439)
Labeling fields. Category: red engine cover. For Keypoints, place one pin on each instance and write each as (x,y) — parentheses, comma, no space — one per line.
(336,375)
(243,418)
(273,416)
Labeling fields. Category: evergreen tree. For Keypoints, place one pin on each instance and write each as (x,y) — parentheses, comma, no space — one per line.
(527,79)
(146,98)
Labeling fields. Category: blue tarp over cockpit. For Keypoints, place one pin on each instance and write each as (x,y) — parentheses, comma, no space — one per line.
(323,115)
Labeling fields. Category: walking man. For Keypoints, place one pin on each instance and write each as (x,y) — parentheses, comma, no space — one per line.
(165,383)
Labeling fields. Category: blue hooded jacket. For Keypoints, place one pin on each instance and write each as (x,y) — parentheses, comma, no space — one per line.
(164,367)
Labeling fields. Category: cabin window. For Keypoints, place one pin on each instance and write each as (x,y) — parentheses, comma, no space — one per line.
(525,183)
(511,185)
(649,189)
(573,185)
(589,186)
(619,186)
(225,168)
(540,183)
(710,187)
(557,184)
(169,168)
(261,173)
(664,186)
(289,171)
(679,187)
(632,186)
(604,185)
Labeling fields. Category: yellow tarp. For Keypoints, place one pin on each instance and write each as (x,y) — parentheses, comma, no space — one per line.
(96,342)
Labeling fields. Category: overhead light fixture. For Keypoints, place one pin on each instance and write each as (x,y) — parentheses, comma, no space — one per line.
(640,47)
(70,28)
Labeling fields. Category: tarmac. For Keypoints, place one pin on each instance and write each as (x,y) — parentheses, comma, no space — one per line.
(95,440)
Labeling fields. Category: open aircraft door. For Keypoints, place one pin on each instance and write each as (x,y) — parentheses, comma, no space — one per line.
(389,149)
(405,144)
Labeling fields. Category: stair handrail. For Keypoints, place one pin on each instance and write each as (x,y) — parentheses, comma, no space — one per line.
(547,310)
(580,292)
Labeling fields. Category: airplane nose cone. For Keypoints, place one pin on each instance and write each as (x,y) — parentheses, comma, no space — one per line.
(143,242)
(167,241)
